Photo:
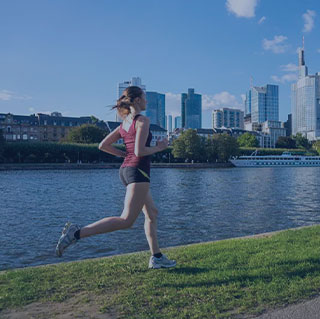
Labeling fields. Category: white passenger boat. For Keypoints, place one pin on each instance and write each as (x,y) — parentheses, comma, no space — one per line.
(286,159)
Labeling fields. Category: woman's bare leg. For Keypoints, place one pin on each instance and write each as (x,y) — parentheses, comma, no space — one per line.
(150,225)
(135,199)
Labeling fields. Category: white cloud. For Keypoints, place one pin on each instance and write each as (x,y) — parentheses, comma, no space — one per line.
(276,45)
(318,50)
(222,99)
(289,77)
(242,8)
(262,20)
(6,95)
(308,18)
(209,102)
(173,104)
(289,67)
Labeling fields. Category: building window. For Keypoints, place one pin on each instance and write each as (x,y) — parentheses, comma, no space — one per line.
(45,122)
(24,136)
(9,129)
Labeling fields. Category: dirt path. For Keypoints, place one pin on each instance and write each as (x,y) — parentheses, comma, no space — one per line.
(79,306)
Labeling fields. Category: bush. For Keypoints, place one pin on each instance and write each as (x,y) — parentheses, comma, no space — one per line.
(19,152)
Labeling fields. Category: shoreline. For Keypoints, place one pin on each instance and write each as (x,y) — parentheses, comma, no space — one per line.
(254,236)
(86,166)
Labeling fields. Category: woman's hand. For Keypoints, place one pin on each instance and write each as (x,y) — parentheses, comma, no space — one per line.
(162,145)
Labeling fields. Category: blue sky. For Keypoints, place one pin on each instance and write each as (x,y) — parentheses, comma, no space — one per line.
(68,56)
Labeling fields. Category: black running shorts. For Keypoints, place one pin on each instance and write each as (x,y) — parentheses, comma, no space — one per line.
(130,175)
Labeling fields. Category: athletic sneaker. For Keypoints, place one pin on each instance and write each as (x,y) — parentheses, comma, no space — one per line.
(162,262)
(67,238)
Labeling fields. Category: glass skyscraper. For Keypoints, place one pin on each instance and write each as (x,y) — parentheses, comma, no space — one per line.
(191,109)
(305,102)
(136,81)
(177,122)
(156,108)
(263,103)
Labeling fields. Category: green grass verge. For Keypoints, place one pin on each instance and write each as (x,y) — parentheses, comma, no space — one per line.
(220,279)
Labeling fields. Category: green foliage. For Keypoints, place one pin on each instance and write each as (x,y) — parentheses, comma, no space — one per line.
(316,146)
(248,140)
(302,142)
(85,134)
(274,151)
(227,146)
(94,119)
(190,146)
(285,142)
(2,143)
(39,152)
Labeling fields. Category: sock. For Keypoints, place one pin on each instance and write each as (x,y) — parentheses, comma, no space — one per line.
(158,255)
(77,234)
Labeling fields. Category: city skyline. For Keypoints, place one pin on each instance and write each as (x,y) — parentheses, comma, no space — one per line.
(70,56)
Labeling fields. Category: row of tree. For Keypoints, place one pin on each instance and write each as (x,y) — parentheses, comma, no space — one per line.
(192,147)
(298,141)
(81,144)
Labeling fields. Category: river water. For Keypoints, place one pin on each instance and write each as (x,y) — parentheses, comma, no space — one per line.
(194,206)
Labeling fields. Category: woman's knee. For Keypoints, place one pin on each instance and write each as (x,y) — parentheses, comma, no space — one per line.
(152,215)
(127,222)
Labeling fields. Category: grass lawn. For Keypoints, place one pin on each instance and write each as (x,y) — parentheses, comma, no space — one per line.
(224,279)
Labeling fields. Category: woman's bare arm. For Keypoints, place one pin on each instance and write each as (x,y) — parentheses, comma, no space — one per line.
(106,144)
(142,129)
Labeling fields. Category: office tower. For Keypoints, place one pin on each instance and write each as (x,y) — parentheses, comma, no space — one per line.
(135,81)
(169,123)
(248,103)
(228,118)
(177,122)
(166,122)
(263,103)
(191,108)
(305,102)
(288,125)
(156,108)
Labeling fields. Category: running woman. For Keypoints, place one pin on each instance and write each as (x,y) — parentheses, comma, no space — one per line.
(134,174)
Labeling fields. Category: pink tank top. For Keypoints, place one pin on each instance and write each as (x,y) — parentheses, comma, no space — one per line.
(131,160)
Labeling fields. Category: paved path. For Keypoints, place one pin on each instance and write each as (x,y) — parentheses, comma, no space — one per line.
(305,310)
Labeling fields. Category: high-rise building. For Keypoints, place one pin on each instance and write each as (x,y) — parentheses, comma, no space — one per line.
(248,103)
(156,108)
(263,103)
(191,109)
(135,81)
(228,118)
(177,122)
(305,102)
(169,123)
(288,125)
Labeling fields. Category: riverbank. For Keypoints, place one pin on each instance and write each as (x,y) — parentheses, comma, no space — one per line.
(68,166)
(234,278)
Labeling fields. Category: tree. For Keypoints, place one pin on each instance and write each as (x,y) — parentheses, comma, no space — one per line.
(189,145)
(248,140)
(227,146)
(86,134)
(285,142)
(316,146)
(302,142)
(2,142)
(212,150)
(94,119)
